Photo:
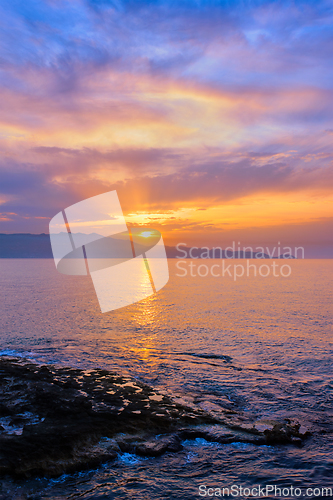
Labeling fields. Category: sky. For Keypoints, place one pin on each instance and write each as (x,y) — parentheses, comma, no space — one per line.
(212,119)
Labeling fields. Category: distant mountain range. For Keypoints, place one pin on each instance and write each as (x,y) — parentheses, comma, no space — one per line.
(25,246)
(38,246)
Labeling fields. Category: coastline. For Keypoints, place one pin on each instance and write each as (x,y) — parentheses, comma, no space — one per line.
(60,420)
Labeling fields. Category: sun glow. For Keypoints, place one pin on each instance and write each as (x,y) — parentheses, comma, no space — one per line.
(146,234)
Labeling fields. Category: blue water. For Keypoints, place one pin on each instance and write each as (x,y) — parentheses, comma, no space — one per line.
(259,346)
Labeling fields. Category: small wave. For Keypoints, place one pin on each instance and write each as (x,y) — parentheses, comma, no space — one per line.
(224,357)
(129,458)
(16,354)
(199,441)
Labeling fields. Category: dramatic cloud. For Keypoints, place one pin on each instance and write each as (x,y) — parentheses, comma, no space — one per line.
(190,109)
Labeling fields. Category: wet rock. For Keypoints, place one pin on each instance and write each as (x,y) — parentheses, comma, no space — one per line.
(52,419)
(56,420)
(287,432)
(216,436)
(158,447)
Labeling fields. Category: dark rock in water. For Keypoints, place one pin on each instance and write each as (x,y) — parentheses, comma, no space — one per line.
(56,420)
(286,433)
(154,448)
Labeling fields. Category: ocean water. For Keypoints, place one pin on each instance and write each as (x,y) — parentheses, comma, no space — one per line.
(261,346)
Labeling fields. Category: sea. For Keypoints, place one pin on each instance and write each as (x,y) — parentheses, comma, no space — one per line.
(259,345)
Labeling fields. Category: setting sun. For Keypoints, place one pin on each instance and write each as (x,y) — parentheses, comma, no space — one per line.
(146,234)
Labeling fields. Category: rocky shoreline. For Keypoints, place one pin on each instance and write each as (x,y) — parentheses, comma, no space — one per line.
(56,420)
